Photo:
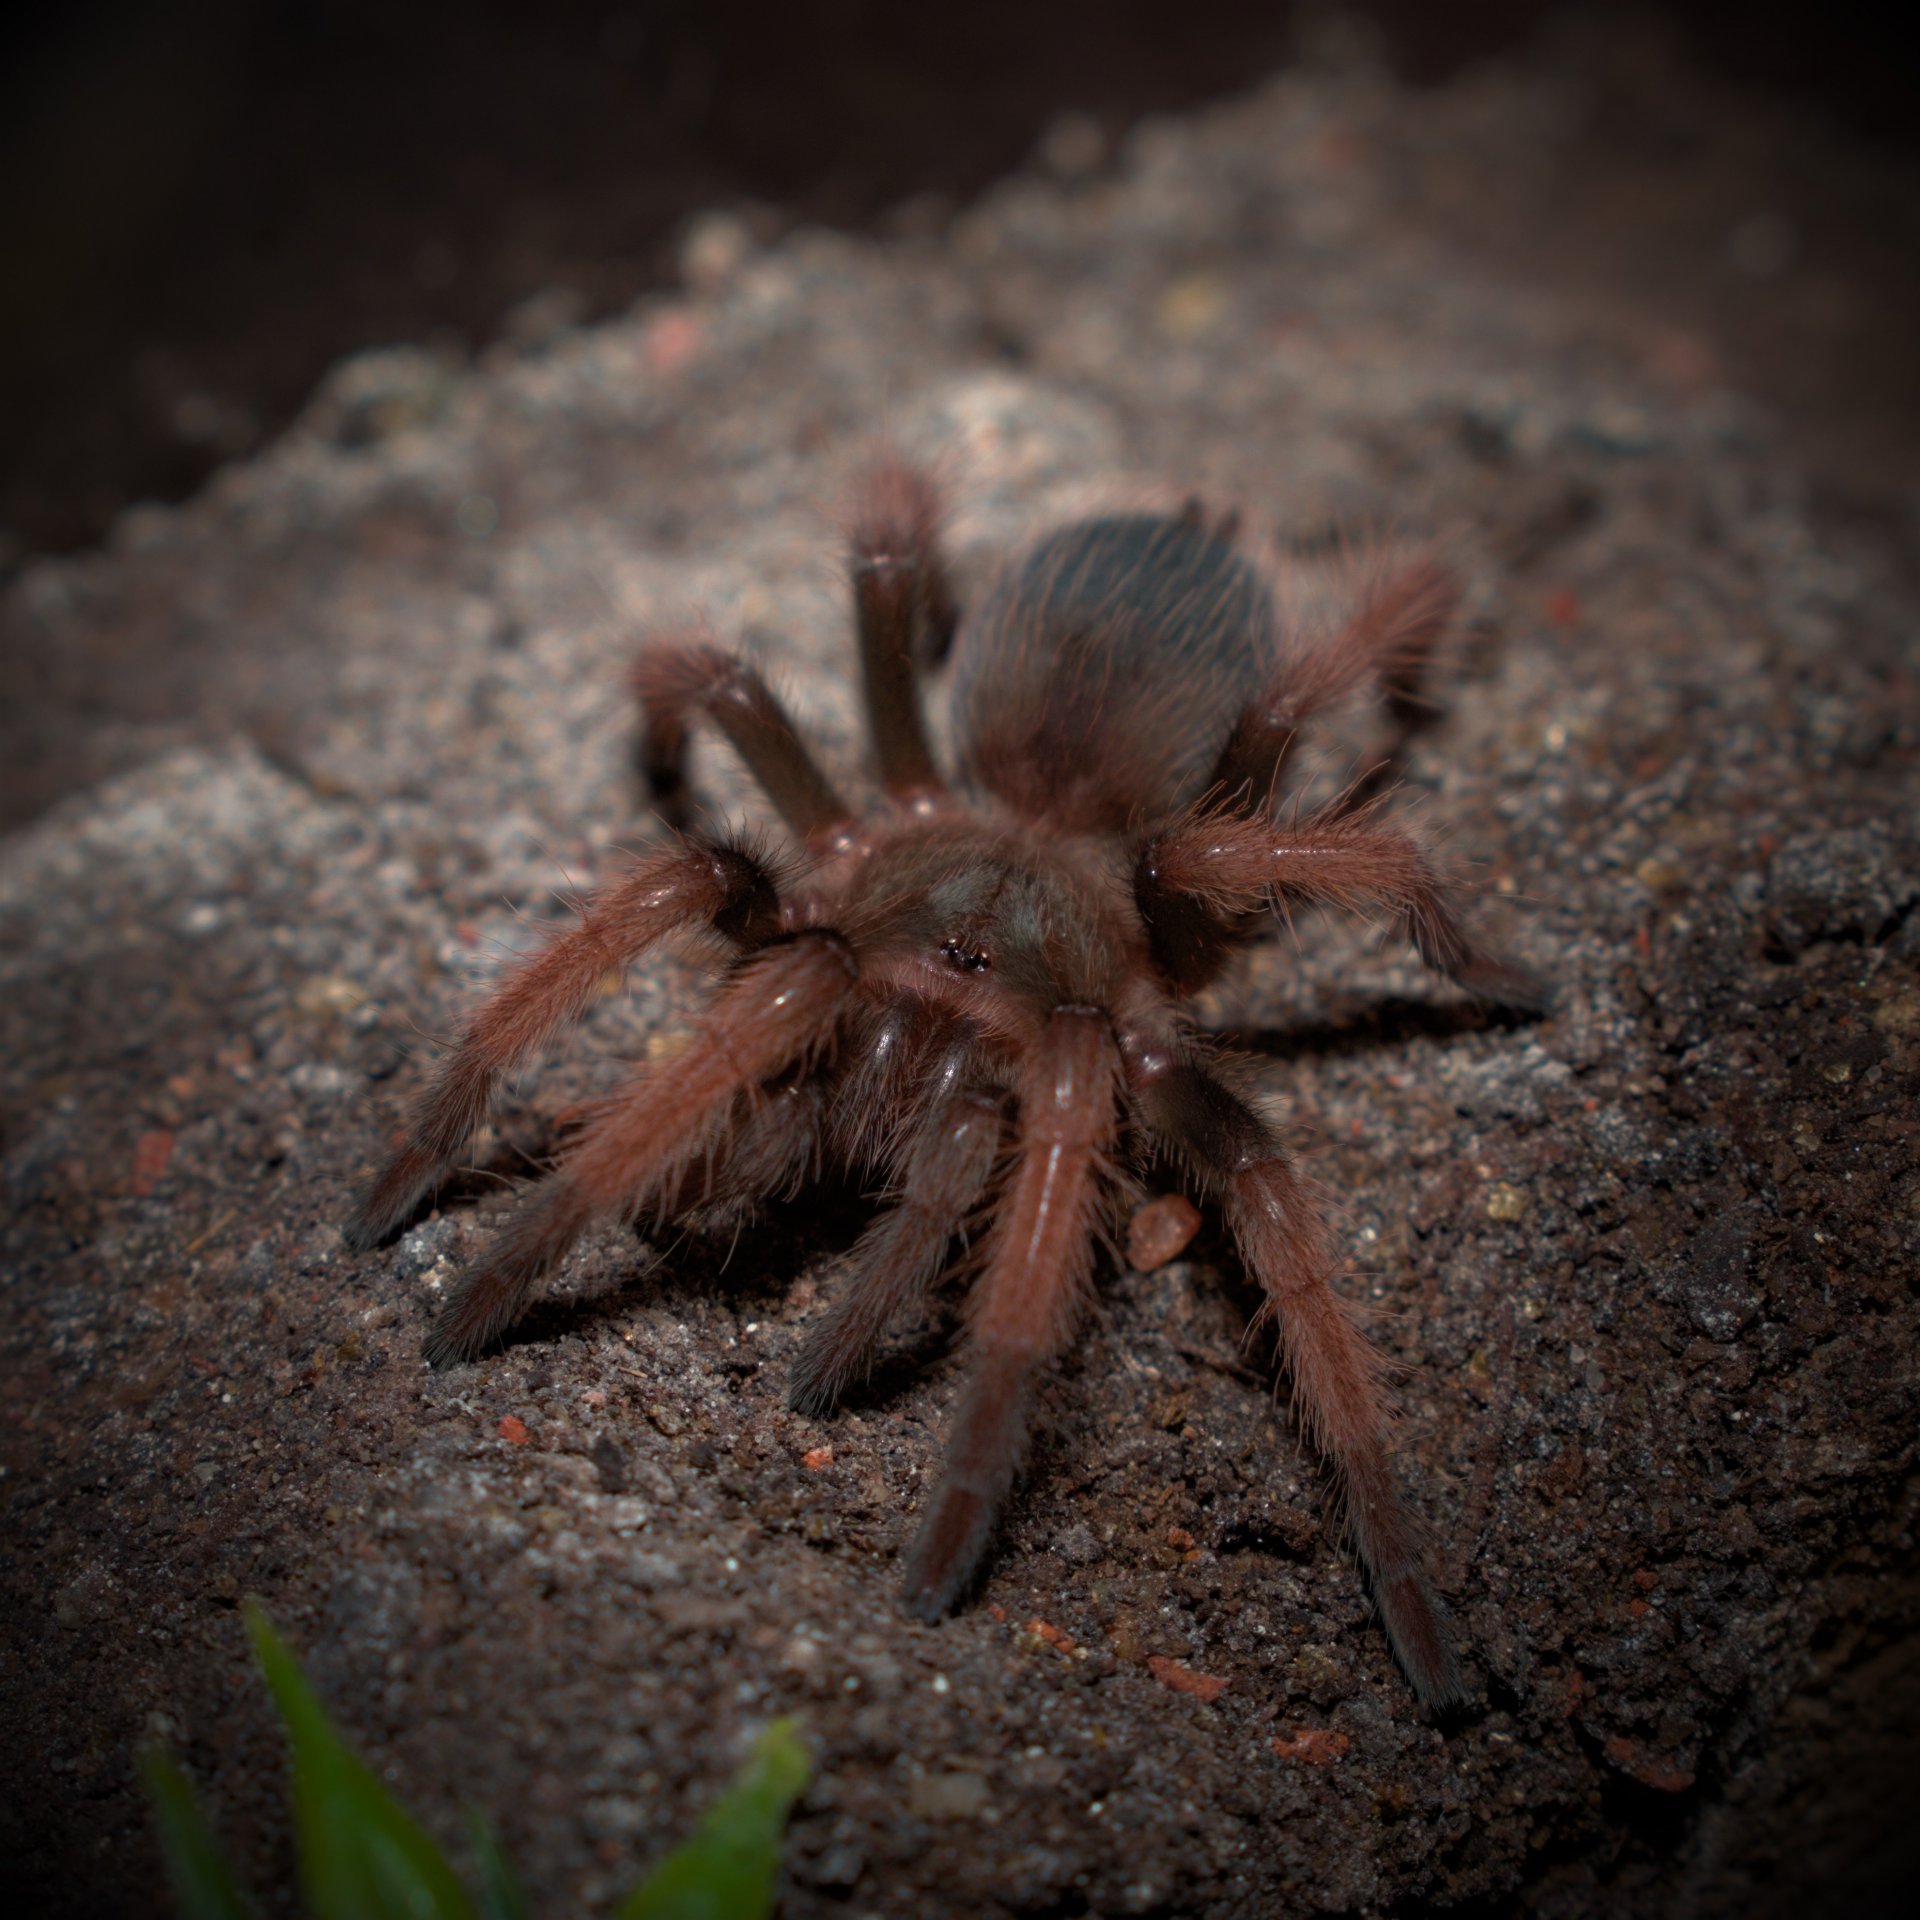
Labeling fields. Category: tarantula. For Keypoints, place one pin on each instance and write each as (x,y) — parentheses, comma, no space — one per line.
(976,991)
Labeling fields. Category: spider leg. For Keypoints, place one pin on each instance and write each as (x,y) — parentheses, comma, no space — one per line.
(673,676)
(901,1058)
(1198,883)
(945,1171)
(1387,640)
(1336,1373)
(899,582)
(722,887)
(1026,1301)
(781,1005)
(766,1147)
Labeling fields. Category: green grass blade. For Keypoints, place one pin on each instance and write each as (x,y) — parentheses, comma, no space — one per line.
(727,1870)
(203,1889)
(501,1895)
(362,1856)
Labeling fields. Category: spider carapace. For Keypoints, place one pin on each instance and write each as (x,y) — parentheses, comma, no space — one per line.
(973,992)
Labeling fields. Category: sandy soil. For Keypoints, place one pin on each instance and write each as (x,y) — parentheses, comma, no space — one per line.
(341,731)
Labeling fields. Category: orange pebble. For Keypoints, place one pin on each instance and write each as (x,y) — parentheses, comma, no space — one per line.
(151,1152)
(1160,1230)
(1312,1746)
(1178,1679)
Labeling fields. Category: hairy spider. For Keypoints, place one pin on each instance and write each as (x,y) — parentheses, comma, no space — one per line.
(975,993)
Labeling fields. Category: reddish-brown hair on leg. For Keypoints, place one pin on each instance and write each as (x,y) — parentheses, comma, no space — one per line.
(1229,867)
(765,1149)
(672,676)
(1025,1303)
(896,516)
(900,1255)
(899,588)
(1398,615)
(779,1007)
(1337,1376)
(1337,1388)
(721,887)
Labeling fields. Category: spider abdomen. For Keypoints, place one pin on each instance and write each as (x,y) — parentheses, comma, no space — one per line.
(1102,672)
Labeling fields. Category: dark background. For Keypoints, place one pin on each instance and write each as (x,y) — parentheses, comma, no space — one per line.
(207,202)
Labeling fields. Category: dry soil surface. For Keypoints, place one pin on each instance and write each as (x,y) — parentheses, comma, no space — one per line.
(343,731)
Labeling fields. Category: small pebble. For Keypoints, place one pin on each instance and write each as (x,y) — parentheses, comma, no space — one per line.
(948,1796)
(1175,1678)
(1160,1231)
(1506,1202)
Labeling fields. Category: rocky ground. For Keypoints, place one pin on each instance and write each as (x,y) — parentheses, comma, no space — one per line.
(338,734)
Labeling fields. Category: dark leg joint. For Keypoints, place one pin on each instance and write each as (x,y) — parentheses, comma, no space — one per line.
(1188,941)
(751,915)
(662,761)
(1218,1132)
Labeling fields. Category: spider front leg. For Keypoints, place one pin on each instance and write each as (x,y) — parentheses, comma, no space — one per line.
(1336,1372)
(1199,884)
(899,585)
(673,677)
(1026,1302)
(724,888)
(781,1006)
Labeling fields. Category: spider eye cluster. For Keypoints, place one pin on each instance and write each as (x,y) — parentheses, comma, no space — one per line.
(966,956)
